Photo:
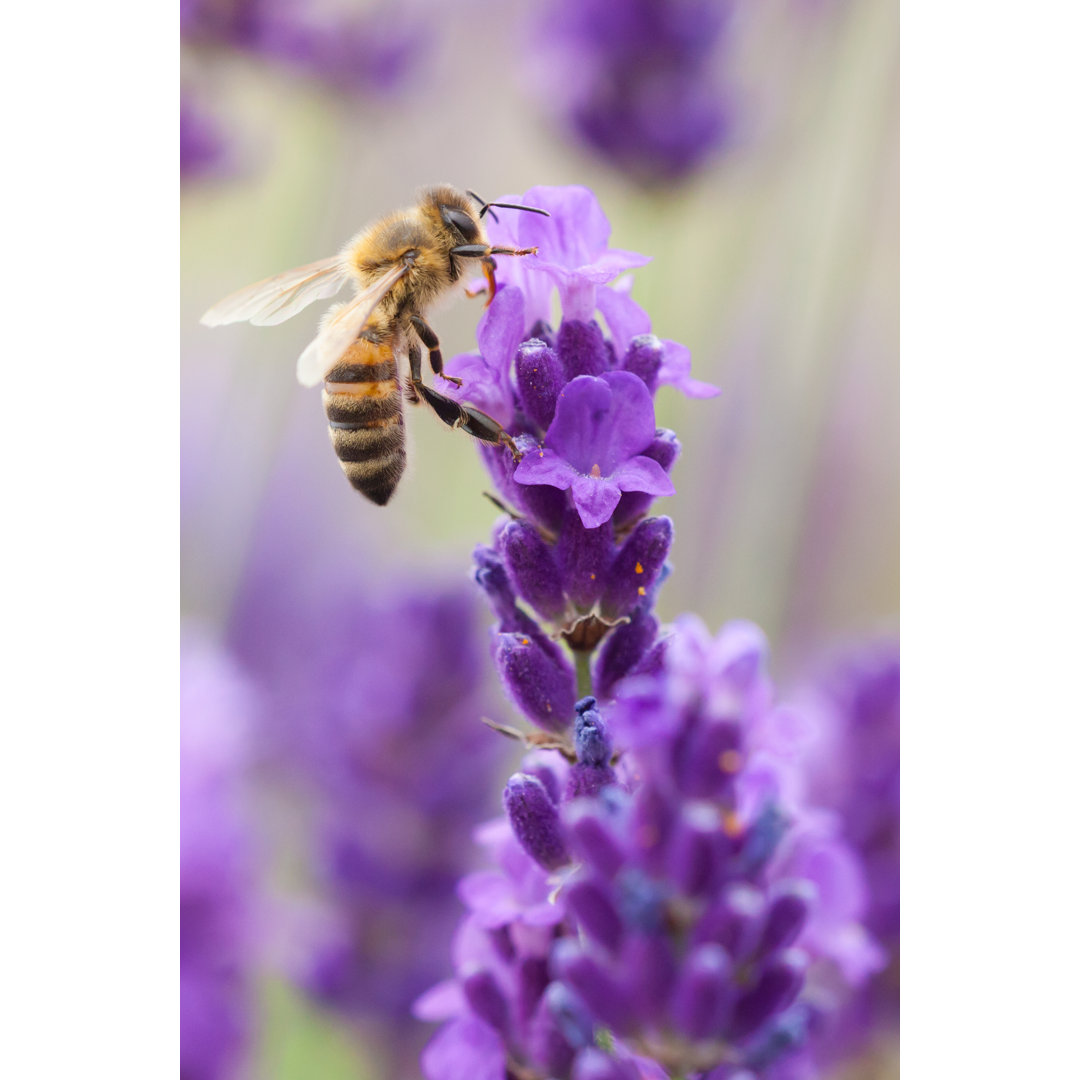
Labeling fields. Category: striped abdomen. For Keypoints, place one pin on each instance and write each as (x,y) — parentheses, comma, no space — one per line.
(362,398)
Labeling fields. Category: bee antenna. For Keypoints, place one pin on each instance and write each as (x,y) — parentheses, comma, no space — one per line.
(484,207)
(517,206)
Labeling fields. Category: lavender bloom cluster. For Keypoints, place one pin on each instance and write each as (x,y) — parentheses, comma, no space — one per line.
(641,82)
(371,718)
(664,917)
(577,549)
(663,901)
(217,880)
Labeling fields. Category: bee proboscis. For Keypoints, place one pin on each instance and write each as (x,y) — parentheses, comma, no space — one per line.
(400,266)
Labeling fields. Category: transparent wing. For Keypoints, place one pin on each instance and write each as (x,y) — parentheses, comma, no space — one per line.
(278,298)
(341,326)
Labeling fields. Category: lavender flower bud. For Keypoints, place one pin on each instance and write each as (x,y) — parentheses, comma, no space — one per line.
(652,823)
(490,574)
(781,979)
(583,556)
(486,999)
(735,921)
(582,349)
(592,906)
(692,856)
(664,450)
(569,1013)
(540,377)
(622,650)
(704,993)
(532,980)
(591,772)
(548,1042)
(636,566)
(650,966)
(602,993)
(594,840)
(788,912)
(542,684)
(535,821)
(530,564)
(709,759)
(643,358)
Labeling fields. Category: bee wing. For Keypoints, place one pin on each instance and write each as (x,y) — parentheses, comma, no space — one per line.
(280,297)
(341,326)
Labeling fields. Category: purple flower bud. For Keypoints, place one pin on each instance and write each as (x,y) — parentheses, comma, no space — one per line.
(568,1011)
(540,765)
(643,358)
(532,980)
(490,574)
(582,349)
(641,901)
(692,854)
(540,377)
(664,450)
(583,556)
(735,921)
(591,739)
(530,563)
(594,1064)
(762,838)
(781,979)
(535,821)
(548,1044)
(703,996)
(594,840)
(592,906)
(486,999)
(650,969)
(540,683)
(636,566)
(622,650)
(709,758)
(789,909)
(602,993)
(652,821)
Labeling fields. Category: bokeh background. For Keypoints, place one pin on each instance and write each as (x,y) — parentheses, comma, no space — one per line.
(753,153)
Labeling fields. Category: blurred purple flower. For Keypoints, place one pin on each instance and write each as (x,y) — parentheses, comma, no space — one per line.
(216,865)
(641,82)
(374,708)
(202,143)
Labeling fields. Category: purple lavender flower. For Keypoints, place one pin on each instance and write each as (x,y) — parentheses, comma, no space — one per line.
(202,143)
(673,915)
(216,866)
(373,718)
(579,550)
(641,82)
(595,446)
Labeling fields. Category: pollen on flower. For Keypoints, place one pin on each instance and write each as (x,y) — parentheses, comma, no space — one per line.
(595,471)
(525,641)
(641,590)
(592,577)
(639,569)
(732,824)
(731,761)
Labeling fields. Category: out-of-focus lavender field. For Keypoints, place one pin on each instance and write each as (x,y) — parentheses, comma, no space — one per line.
(336,661)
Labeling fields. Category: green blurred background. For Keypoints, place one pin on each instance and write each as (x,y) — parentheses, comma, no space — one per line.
(777,266)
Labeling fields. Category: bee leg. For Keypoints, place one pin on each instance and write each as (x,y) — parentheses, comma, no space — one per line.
(488,264)
(472,421)
(431,341)
(483,252)
(415,378)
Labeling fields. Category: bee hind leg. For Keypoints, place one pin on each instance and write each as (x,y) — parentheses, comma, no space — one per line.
(472,421)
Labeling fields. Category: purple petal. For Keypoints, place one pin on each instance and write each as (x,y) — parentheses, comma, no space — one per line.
(541,466)
(602,422)
(675,371)
(481,386)
(595,498)
(643,474)
(442,1002)
(501,329)
(464,1049)
(625,318)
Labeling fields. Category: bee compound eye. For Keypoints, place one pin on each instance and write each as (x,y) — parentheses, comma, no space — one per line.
(460,221)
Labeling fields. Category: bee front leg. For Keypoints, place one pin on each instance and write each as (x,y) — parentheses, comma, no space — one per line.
(483,252)
(431,341)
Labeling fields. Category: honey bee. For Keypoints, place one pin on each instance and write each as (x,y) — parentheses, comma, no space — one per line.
(400,266)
